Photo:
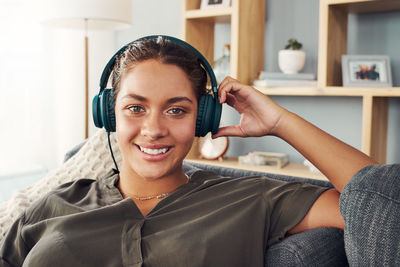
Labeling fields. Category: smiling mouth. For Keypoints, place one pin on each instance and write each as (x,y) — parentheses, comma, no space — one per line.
(154,151)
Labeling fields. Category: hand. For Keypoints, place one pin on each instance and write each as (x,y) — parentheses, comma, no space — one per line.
(259,114)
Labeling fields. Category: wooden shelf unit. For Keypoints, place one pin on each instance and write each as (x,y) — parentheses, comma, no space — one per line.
(333,19)
(247,20)
(331,91)
(247,56)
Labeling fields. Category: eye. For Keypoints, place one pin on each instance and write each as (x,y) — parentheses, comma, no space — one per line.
(176,111)
(136,109)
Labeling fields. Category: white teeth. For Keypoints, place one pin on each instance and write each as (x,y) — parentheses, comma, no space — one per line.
(153,151)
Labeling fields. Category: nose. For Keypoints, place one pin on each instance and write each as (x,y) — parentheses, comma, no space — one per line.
(153,126)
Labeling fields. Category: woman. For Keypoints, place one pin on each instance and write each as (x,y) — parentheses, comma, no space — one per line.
(151,213)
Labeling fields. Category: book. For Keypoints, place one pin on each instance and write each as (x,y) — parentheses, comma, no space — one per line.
(278,160)
(264,75)
(277,83)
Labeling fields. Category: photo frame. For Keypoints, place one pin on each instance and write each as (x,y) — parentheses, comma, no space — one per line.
(366,71)
(209,4)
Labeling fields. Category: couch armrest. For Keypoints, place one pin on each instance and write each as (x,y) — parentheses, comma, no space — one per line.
(316,247)
(234,173)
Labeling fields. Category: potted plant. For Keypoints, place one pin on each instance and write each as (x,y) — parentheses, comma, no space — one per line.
(291,59)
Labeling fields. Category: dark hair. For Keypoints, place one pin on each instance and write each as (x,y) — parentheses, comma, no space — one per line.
(166,52)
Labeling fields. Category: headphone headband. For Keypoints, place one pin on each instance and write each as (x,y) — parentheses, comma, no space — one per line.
(203,61)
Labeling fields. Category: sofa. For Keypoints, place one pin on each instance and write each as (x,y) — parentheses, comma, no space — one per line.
(317,247)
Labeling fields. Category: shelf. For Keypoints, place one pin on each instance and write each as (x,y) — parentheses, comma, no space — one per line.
(331,91)
(292,169)
(247,28)
(220,15)
(247,20)
(365,6)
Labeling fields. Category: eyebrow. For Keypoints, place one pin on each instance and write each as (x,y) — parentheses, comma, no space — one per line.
(169,101)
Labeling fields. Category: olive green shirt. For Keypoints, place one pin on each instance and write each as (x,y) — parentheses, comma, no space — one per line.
(210,221)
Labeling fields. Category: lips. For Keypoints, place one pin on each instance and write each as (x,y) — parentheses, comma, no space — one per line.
(154,151)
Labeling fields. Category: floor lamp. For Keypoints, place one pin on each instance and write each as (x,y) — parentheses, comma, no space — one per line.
(87,15)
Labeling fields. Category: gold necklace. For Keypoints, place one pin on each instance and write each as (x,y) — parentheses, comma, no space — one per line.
(160,196)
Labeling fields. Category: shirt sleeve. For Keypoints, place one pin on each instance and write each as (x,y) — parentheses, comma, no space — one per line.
(289,202)
(12,247)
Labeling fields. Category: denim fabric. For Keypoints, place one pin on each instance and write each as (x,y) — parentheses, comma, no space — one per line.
(370,205)
(317,247)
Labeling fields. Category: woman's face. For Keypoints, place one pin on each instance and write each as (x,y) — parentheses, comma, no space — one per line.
(156,111)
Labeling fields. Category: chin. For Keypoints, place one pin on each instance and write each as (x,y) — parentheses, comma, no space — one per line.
(152,172)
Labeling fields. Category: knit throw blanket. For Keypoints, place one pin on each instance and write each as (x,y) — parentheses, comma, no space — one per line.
(91,161)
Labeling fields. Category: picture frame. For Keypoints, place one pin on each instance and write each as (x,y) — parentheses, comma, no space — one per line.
(366,71)
(209,4)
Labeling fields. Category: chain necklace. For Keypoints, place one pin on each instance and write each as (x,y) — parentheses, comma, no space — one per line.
(160,196)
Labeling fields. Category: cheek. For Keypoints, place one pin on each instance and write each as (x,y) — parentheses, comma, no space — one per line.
(184,132)
(125,129)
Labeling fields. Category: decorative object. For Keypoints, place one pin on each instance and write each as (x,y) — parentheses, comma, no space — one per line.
(285,83)
(291,59)
(222,66)
(275,79)
(366,71)
(87,15)
(208,4)
(278,160)
(262,75)
(213,148)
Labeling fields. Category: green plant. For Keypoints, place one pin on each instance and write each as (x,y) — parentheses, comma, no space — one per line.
(293,45)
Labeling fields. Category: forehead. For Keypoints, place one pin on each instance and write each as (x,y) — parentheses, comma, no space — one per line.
(152,76)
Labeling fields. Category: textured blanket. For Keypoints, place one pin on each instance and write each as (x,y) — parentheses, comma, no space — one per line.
(91,161)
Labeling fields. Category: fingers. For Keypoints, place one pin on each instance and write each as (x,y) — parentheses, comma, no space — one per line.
(227,80)
(230,100)
(230,131)
(229,85)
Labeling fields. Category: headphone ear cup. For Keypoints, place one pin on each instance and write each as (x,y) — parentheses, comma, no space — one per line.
(205,114)
(107,110)
(96,112)
(216,115)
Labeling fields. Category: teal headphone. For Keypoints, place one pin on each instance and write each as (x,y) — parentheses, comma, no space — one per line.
(209,108)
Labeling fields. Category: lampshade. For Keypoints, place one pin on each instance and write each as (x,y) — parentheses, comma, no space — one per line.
(100,14)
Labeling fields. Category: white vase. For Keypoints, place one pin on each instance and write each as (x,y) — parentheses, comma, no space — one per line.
(291,61)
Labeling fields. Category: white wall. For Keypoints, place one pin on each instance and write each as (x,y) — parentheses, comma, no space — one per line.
(20,103)
(42,87)
(67,61)
(152,17)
